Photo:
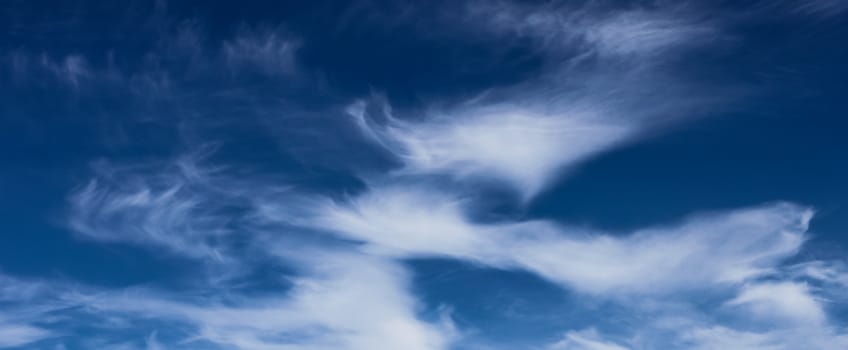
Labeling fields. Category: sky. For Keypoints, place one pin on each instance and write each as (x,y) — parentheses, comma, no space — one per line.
(424,175)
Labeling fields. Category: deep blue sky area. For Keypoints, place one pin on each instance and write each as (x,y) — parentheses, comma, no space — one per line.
(432,175)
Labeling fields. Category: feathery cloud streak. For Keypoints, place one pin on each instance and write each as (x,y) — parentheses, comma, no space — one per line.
(703,251)
(607,81)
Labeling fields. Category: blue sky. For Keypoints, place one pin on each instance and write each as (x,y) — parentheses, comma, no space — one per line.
(480,175)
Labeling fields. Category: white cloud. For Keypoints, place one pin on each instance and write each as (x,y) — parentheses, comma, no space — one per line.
(718,337)
(16,289)
(269,51)
(518,145)
(642,33)
(17,315)
(397,221)
(688,321)
(170,206)
(151,343)
(13,335)
(781,302)
(605,85)
(821,7)
(589,29)
(340,300)
(345,302)
(805,337)
(584,340)
(831,273)
(71,69)
(703,251)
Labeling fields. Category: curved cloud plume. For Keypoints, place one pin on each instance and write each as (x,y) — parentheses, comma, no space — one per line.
(703,251)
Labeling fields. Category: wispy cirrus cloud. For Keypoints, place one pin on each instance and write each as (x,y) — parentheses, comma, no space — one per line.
(702,251)
(167,207)
(72,69)
(821,7)
(69,70)
(584,340)
(781,302)
(339,299)
(606,81)
(640,34)
(181,55)
(521,146)
(343,300)
(718,337)
(14,335)
(832,274)
(801,337)
(269,51)
(665,324)
(22,307)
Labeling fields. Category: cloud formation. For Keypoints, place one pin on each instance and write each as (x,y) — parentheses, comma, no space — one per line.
(607,80)
(342,301)
(13,335)
(592,29)
(520,146)
(171,207)
(781,302)
(583,340)
(703,251)
(269,51)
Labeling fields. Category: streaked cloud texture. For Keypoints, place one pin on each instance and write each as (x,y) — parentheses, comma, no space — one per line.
(423,176)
